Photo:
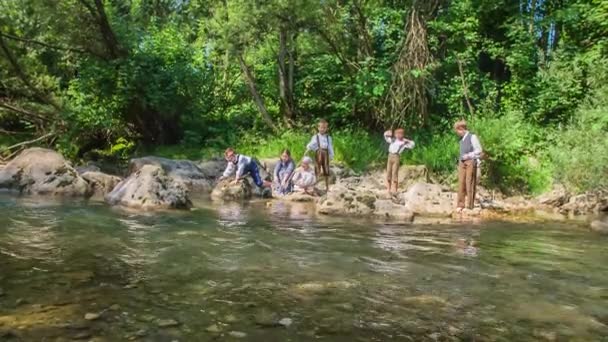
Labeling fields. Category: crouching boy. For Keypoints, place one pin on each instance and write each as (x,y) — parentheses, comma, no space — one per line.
(397,145)
(242,166)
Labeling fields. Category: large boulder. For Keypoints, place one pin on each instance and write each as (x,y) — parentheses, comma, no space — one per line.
(429,200)
(591,202)
(408,175)
(389,209)
(150,187)
(39,171)
(226,191)
(100,183)
(600,224)
(185,171)
(555,198)
(212,168)
(343,201)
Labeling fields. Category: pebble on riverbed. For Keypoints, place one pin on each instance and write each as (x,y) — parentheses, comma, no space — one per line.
(166,323)
(91,316)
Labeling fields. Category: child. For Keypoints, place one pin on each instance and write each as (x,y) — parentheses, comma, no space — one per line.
(322,144)
(470,152)
(283,172)
(396,146)
(242,166)
(304,178)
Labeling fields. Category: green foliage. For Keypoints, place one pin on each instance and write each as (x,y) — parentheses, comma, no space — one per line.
(187,79)
(580,151)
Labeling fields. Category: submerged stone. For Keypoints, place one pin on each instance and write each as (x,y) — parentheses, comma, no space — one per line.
(90,316)
(166,323)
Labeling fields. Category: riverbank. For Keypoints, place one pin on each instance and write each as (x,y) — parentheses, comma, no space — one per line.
(154,183)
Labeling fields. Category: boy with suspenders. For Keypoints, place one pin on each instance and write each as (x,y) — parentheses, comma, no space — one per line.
(323,146)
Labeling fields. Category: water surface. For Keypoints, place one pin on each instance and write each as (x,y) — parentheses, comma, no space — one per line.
(279,273)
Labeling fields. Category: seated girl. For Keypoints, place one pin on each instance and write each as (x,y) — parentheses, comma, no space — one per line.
(283,172)
(304,178)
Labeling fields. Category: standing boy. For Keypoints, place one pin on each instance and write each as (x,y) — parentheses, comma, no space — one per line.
(241,166)
(323,146)
(396,146)
(470,152)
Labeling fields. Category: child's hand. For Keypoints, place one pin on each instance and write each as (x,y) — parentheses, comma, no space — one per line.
(388,133)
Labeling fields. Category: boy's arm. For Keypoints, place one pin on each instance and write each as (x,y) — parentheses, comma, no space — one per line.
(228,171)
(409,144)
(388,137)
(312,145)
(330,147)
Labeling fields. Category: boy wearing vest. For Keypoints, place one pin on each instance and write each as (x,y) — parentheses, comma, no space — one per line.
(323,146)
(242,166)
(397,145)
(470,153)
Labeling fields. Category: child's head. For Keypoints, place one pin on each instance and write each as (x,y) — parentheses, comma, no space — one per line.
(460,127)
(323,126)
(285,155)
(229,154)
(399,133)
(306,161)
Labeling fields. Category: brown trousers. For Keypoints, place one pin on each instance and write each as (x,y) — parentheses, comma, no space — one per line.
(467,180)
(322,162)
(392,167)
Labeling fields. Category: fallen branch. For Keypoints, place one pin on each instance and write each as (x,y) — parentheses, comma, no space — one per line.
(28,142)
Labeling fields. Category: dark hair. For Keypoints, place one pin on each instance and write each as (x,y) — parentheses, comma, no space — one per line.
(286,150)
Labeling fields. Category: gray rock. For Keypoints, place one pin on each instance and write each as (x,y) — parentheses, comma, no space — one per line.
(556,197)
(389,209)
(343,201)
(39,171)
(237,334)
(150,188)
(91,316)
(167,323)
(429,200)
(87,168)
(286,322)
(213,328)
(227,191)
(600,225)
(184,171)
(100,183)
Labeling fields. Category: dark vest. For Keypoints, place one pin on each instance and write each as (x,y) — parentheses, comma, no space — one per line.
(466,146)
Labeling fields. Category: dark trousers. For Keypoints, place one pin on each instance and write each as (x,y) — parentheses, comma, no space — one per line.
(467,180)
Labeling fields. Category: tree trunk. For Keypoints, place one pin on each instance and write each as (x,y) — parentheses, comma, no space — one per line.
(257,98)
(285,79)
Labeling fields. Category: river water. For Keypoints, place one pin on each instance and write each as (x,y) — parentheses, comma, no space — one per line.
(277,272)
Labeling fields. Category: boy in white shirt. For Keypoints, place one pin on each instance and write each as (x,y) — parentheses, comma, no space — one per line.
(323,146)
(240,166)
(396,146)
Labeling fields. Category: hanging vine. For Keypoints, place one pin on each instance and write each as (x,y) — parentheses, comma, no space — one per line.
(407,100)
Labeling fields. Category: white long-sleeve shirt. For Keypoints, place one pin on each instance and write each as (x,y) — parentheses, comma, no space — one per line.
(324,140)
(476,154)
(397,146)
(304,178)
(240,165)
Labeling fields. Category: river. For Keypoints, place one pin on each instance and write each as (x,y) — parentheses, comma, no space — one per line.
(259,272)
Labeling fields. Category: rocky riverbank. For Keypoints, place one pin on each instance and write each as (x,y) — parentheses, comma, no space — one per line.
(154,183)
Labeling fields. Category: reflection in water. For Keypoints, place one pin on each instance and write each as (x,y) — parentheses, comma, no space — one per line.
(276,271)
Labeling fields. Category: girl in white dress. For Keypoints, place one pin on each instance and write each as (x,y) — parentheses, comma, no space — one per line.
(304,178)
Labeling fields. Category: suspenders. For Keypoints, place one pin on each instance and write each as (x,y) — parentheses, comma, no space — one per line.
(319,142)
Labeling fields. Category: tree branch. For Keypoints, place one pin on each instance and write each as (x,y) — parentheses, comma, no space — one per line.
(35,42)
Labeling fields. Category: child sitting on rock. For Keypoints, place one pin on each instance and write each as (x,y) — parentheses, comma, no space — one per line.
(283,172)
(304,178)
(397,145)
(242,166)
